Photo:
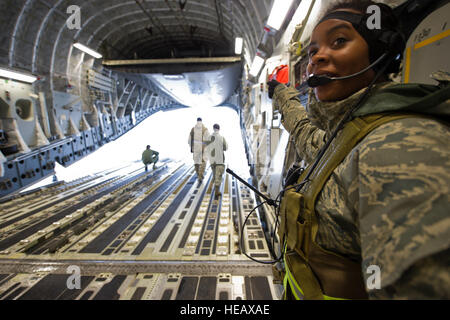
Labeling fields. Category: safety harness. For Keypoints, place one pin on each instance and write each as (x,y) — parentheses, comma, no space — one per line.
(312,272)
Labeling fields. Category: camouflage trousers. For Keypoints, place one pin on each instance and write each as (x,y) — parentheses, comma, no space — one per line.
(154,161)
(200,170)
(218,170)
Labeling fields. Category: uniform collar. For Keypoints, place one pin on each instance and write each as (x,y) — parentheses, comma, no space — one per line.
(327,115)
(384,97)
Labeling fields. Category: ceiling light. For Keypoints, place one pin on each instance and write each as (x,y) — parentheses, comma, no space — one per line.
(174,76)
(256,66)
(279,11)
(238,46)
(89,51)
(17,75)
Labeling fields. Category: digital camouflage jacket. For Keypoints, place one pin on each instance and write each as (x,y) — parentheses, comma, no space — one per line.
(388,203)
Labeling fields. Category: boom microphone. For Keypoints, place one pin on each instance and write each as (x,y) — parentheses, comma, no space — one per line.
(320,80)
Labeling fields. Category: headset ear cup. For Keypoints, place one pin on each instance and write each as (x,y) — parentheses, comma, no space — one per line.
(393,44)
(396,45)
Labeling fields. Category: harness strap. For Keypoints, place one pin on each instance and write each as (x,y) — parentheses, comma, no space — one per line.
(311,271)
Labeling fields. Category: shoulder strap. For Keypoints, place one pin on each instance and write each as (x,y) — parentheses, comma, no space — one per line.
(351,135)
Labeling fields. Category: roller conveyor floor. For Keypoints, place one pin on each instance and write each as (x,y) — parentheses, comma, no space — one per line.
(133,235)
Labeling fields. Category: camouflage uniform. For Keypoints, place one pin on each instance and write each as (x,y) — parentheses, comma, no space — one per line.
(387,203)
(197,141)
(215,150)
(150,156)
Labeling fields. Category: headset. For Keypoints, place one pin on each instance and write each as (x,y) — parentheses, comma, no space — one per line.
(390,42)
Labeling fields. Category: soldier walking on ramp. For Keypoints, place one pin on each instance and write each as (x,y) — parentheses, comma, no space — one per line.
(198,137)
(215,151)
